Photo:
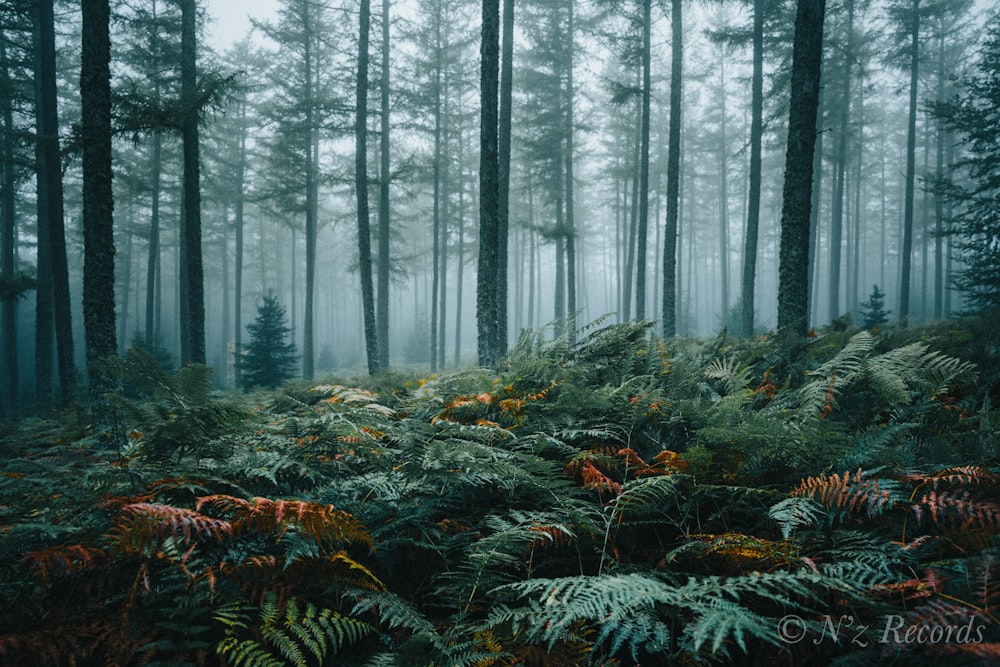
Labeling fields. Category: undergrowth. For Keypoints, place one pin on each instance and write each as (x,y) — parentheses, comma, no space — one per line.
(620,501)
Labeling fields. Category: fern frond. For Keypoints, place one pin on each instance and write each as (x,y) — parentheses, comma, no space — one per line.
(141,526)
(246,653)
(731,372)
(961,475)
(851,493)
(795,512)
(63,561)
(323,523)
(646,494)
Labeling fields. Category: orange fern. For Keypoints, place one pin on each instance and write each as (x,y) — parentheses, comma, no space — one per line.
(142,526)
(852,493)
(265,516)
(63,560)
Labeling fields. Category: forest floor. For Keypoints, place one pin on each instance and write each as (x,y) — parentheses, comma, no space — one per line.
(623,500)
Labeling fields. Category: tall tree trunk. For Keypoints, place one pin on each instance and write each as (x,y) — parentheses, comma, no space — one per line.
(445,217)
(753,195)
(503,173)
(98,208)
(53,272)
(383,199)
(126,263)
(643,228)
(193,282)
(489,193)
(793,262)
(837,209)
(633,212)
(938,199)
(312,201)
(361,189)
(911,144)
(240,194)
(461,254)
(8,238)
(153,250)
(673,174)
(570,213)
(814,211)
(724,197)
(437,168)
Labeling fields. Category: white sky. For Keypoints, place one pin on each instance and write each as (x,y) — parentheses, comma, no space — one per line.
(229,19)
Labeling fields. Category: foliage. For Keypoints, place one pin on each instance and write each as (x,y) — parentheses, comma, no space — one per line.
(873,311)
(973,115)
(269,358)
(619,501)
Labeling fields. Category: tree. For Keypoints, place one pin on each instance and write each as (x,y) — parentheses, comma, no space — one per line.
(192,292)
(383,199)
(489,188)
(643,220)
(793,260)
(98,209)
(837,221)
(873,311)
(52,292)
(361,190)
(973,188)
(756,141)
(503,172)
(673,173)
(13,171)
(269,358)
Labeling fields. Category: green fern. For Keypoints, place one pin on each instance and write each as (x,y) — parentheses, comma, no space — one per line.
(292,629)
(796,512)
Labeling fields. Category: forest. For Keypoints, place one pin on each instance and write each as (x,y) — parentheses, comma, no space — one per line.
(531,332)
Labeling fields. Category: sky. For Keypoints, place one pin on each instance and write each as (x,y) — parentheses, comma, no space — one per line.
(230,20)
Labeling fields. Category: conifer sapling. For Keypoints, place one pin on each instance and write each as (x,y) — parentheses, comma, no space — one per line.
(268,359)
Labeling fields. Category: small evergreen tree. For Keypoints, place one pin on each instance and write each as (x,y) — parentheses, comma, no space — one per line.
(873,311)
(268,359)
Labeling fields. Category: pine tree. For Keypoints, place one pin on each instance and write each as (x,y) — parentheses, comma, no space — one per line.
(873,311)
(269,358)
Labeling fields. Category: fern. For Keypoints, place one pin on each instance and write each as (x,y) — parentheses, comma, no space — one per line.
(795,512)
(293,629)
(323,523)
(849,493)
(717,610)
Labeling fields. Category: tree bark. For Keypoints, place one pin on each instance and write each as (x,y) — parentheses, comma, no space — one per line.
(489,192)
(911,143)
(8,238)
(673,174)
(753,196)
(570,212)
(361,189)
(793,261)
(51,229)
(503,173)
(837,210)
(383,199)
(309,148)
(98,209)
(193,279)
(643,226)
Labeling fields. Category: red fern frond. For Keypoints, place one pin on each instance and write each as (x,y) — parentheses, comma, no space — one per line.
(63,560)
(958,510)
(266,517)
(846,492)
(140,526)
(962,475)
(597,480)
(551,536)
